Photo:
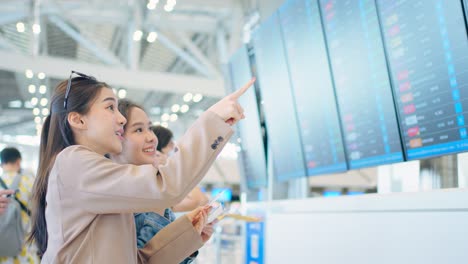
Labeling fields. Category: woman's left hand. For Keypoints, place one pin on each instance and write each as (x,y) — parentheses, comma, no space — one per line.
(198,217)
(208,231)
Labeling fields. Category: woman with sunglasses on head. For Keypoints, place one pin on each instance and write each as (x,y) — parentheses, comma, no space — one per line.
(141,146)
(83,203)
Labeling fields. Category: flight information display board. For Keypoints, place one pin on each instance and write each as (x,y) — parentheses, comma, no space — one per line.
(361,82)
(312,87)
(252,154)
(278,101)
(427,48)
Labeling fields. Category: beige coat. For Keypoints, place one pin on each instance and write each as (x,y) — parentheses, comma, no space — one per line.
(91,201)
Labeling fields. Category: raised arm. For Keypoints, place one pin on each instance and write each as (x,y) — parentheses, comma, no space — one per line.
(102,186)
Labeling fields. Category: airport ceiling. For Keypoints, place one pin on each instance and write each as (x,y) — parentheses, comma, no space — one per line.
(153,51)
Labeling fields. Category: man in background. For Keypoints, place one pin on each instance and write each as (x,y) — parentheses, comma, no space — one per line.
(11,166)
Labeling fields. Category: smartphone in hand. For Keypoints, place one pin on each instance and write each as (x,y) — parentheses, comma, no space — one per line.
(217,207)
(215,213)
(11,194)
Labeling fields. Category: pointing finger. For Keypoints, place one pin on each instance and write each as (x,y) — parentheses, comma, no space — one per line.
(242,90)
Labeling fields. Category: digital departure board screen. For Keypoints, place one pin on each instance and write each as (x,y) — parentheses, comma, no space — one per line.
(312,87)
(361,82)
(427,48)
(252,154)
(278,101)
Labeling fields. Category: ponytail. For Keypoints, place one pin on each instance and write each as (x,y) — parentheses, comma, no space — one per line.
(39,230)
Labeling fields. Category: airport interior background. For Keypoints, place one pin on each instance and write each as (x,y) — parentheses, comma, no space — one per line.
(352,150)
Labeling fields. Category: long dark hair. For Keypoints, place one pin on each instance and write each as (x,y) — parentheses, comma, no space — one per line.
(57,135)
(125,106)
(164,136)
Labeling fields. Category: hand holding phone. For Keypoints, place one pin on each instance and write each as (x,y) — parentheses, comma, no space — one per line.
(215,213)
(217,208)
(4,200)
(7,193)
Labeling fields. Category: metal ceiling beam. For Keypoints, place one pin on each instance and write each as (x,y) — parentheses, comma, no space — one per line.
(221,43)
(90,15)
(151,81)
(184,55)
(236,31)
(198,54)
(101,53)
(179,66)
(134,47)
(7,18)
(214,4)
(35,38)
(5,44)
(183,22)
(112,14)
(43,40)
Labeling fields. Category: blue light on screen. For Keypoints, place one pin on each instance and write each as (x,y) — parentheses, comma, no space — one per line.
(355,193)
(225,197)
(331,193)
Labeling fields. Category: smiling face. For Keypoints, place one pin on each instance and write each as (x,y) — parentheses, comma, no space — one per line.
(139,144)
(101,128)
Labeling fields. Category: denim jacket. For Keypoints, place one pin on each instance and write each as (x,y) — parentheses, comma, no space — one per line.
(148,224)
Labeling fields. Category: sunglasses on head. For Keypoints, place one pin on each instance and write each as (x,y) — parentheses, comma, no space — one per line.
(67,93)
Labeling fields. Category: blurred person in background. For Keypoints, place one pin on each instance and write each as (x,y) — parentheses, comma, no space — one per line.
(11,165)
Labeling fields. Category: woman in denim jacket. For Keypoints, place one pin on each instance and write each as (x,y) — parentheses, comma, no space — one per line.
(139,147)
